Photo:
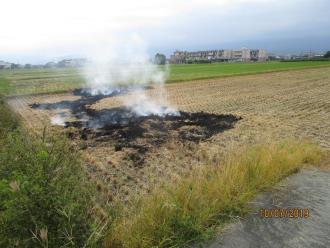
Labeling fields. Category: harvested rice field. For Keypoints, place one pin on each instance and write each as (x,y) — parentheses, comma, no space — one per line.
(242,110)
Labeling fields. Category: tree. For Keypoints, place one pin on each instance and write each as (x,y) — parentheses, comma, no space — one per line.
(160,59)
(327,54)
(14,66)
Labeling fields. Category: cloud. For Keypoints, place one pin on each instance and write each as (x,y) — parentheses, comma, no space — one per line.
(38,23)
(48,28)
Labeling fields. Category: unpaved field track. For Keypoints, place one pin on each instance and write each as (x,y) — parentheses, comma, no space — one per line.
(306,190)
(272,106)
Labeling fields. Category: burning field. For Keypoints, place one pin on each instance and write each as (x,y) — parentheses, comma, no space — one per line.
(124,129)
(128,151)
(130,137)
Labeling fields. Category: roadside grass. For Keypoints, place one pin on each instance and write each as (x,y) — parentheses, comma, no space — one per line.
(190,209)
(46,199)
(45,81)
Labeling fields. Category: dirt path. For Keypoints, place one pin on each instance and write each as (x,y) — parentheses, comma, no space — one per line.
(309,189)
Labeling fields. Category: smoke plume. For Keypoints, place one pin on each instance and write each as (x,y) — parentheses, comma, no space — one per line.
(57,120)
(125,65)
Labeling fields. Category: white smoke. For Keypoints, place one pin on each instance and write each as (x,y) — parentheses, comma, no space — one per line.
(114,66)
(144,106)
(57,120)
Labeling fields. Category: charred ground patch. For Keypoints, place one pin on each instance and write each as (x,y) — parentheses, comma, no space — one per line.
(80,105)
(141,134)
(126,131)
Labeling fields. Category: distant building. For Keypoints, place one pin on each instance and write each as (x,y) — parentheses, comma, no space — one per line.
(5,65)
(304,56)
(209,56)
(72,63)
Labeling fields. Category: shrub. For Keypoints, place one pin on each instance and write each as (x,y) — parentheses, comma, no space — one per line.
(8,121)
(46,200)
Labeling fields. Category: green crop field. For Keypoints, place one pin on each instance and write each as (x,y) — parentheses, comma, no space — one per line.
(201,71)
(35,81)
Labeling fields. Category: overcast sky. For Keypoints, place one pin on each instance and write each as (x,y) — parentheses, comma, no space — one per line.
(37,31)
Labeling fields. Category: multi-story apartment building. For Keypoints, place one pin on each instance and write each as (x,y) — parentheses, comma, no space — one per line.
(244,54)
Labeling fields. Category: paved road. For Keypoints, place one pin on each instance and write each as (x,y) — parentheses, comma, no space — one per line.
(308,189)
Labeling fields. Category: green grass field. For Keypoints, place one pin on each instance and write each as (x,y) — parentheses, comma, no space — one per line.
(35,81)
(201,71)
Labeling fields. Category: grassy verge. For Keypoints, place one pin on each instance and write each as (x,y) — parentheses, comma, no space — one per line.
(190,209)
(45,197)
